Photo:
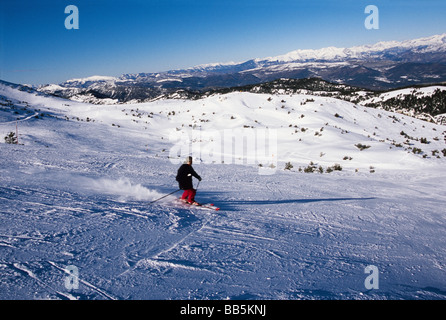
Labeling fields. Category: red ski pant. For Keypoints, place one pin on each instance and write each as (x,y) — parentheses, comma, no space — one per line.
(189,195)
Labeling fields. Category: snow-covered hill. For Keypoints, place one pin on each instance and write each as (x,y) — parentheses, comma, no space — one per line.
(426,103)
(76,191)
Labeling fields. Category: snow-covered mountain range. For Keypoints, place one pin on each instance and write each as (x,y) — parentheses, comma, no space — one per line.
(384,65)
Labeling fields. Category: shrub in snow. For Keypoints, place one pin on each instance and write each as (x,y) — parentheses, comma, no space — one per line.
(336,167)
(424,140)
(11,138)
(288,166)
(309,169)
(361,146)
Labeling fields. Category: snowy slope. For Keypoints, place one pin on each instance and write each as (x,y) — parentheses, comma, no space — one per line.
(77,193)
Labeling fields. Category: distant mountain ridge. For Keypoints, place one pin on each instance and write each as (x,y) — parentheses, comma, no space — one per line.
(382,66)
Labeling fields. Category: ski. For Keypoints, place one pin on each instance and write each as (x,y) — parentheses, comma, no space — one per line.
(209,206)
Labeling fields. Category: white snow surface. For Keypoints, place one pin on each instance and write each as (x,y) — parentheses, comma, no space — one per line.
(77,192)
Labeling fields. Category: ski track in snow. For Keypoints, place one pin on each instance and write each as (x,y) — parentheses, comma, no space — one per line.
(79,193)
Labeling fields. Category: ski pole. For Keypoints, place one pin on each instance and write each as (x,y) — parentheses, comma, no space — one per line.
(165,196)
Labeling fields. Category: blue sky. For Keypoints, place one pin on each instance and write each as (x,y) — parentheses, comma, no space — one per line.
(132,36)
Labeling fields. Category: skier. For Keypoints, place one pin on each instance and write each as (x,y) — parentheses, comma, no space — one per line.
(184,178)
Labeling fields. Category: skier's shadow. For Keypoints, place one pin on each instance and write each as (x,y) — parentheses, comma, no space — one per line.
(232,204)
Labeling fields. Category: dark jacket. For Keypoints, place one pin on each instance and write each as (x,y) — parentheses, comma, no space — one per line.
(183,177)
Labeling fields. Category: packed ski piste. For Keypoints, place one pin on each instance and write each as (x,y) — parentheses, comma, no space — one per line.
(235,196)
